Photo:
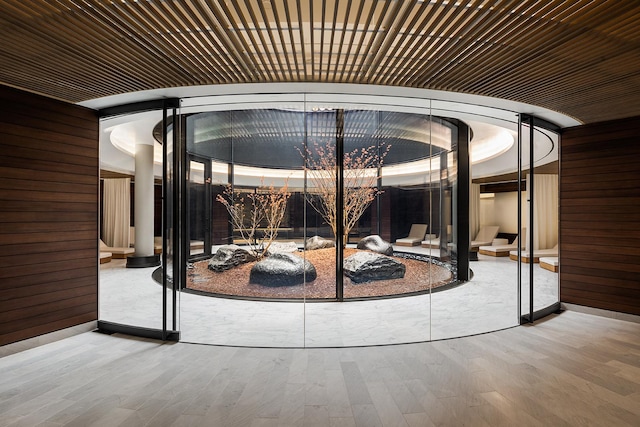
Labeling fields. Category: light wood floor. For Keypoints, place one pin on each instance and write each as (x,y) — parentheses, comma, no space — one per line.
(571,369)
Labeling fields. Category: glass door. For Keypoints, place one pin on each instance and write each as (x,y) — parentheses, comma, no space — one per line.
(247,283)
(369,184)
(131,300)
(199,207)
(538,259)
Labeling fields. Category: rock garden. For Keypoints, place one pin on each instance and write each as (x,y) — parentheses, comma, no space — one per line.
(370,270)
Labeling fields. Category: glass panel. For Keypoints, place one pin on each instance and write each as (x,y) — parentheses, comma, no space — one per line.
(128,296)
(199,207)
(323,322)
(545,219)
(244,294)
(488,300)
(172,208)
(262,172)
(384,152)
(525,255)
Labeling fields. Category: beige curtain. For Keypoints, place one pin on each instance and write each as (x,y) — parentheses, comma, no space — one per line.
(545,213)
(474,210)
(116,208)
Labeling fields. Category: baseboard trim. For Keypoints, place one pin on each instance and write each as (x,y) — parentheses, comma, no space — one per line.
(29,343)
(601,312)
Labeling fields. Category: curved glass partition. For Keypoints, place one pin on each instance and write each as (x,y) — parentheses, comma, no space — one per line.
(328,219)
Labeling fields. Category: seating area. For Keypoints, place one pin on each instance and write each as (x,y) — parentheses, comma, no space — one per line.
(105,257)
(119,253)
(415,237)
(500,249)
(550,263)
(430,241)
(526,255)
(485,236)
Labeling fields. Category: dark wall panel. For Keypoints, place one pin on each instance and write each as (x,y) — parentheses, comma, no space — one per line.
(48,215)
(599,215)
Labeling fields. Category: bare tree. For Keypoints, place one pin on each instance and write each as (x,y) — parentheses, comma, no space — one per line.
(267,206)
(360,177)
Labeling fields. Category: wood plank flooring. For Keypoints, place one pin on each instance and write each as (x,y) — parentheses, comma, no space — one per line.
(571,369)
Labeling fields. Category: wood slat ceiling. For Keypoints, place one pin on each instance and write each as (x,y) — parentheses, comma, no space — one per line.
(578,57)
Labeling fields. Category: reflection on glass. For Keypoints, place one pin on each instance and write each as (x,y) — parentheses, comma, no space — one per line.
(199,208)
(545,239)
(321,200)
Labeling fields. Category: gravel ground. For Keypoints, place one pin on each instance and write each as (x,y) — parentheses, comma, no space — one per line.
(420,276)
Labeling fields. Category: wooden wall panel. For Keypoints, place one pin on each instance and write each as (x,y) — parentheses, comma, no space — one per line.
(599,215)
(48,215)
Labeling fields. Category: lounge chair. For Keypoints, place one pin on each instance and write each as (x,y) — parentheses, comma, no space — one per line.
(550,263)
(553,252)
(430,241)
(485,236)
(116,252)
(503,250)
(105,257)
(157,244)
(415,237)
(157,241)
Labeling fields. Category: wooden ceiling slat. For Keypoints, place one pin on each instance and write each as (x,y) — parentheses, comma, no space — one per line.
(312,44)
(546,38)
(104,40)
(301,34)
(152,47)
(44,44)
(362,32)
(526,71)
(487,52)
(419,57)
(405,42)
(295,54)
(422,37)
(58,53)
(25,59)
(483,52)
(385,16)
(289,69)
(554,78)
(210,18)
(472,37)
(214,52)
(152,17)
(323,11)
(447,29)
(394,25)
(212,60)
(575,57)
(264,46)
(334,25)
(240,32)
(349,57)
(340,57)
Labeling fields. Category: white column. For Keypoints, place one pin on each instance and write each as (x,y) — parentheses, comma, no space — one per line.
(143,203)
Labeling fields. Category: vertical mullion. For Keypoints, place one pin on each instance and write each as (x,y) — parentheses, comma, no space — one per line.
(177,235)
(379,180)
(531,207)
(180,224)
(519,248)
(165,225)
(339,202)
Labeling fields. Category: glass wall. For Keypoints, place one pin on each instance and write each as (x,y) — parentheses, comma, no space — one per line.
(356,200)
(341,220)
(130,296)
(540,255)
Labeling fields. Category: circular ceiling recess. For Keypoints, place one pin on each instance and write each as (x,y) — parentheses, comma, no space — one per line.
(275,138)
